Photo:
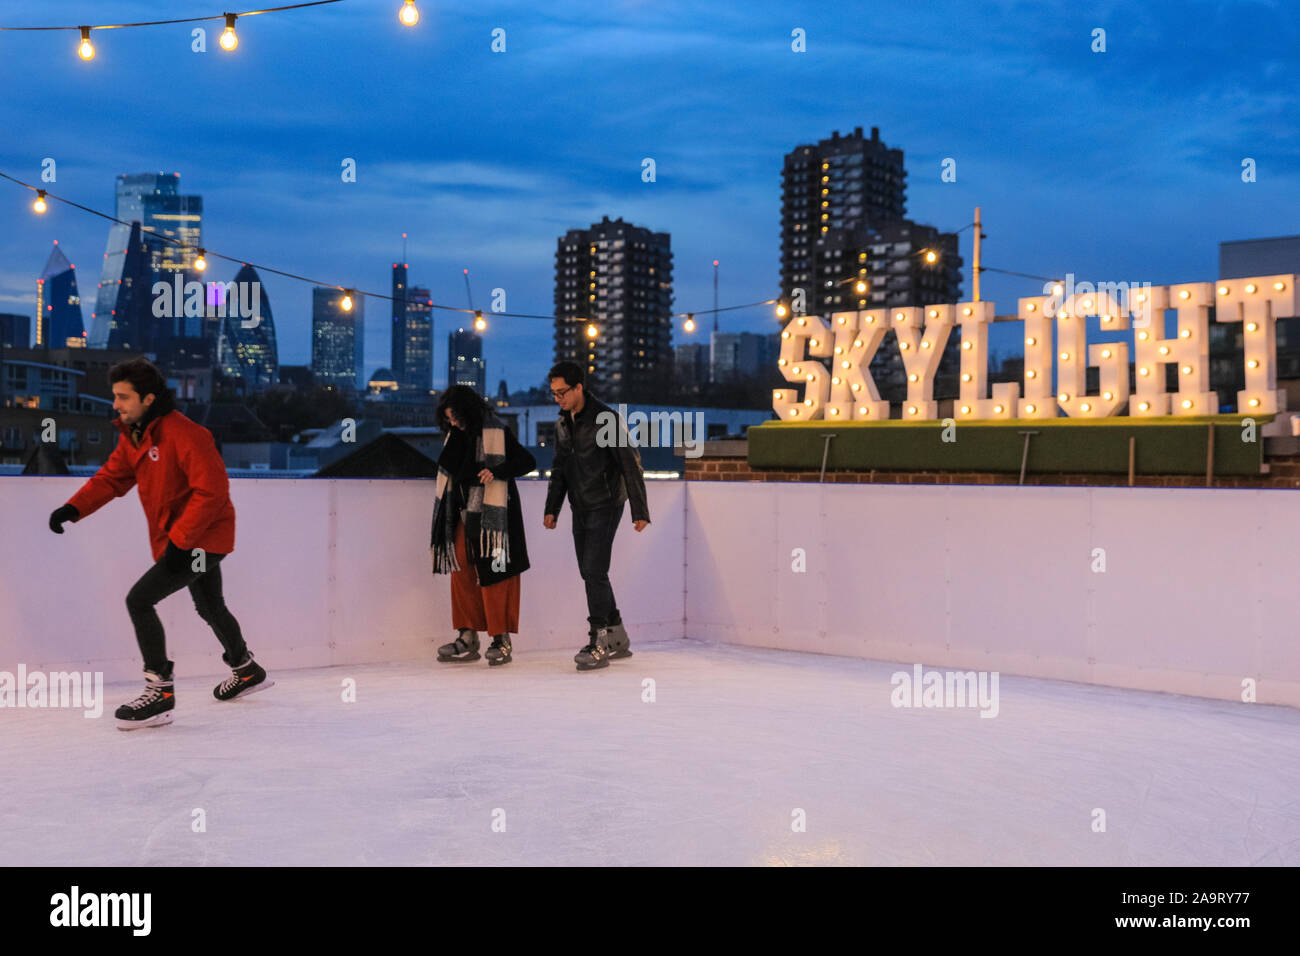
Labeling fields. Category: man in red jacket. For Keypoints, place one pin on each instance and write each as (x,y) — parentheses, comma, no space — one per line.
(186,498)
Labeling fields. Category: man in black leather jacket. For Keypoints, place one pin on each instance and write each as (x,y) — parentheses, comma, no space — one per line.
(599,470)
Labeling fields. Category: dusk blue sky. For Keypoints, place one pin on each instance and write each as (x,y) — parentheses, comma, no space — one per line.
(1123,165)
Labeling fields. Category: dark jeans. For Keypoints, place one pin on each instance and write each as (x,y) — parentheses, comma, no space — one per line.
(157,583)
(593,540)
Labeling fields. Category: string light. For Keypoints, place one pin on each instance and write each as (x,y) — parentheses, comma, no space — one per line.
(228,39)
(409,15)
(347,302)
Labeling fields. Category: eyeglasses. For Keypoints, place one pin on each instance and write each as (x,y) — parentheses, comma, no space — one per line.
(561,393)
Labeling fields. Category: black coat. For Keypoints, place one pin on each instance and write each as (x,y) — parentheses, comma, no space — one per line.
(592,476)
(458,459)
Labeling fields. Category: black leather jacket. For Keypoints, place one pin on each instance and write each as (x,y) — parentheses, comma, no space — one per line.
(590,475)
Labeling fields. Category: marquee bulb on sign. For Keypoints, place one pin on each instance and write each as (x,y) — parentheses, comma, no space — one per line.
(409,15)
(86,49)
(228,39)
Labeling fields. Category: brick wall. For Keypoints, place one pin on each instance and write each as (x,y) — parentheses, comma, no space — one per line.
(1283,471)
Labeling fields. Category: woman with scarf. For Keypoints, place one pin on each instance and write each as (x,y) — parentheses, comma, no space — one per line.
(478,525)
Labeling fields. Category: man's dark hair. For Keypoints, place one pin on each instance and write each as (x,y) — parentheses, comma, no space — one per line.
(468,405)
(572,373)
(143,375)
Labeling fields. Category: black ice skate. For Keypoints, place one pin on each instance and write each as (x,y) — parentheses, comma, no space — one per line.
(463,648)
(499,652)
(595,654)
(153,708)
(620,645)
(247,678)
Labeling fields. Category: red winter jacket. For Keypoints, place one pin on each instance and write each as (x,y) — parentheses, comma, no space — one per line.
(183,485)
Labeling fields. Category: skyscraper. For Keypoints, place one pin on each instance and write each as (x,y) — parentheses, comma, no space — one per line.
(58,304)
(246,347)
(417,364)
(15,331)
(465,364)
(337,339)
(842,223)
(615,278)
(123,316)
(398,327)
(845,244)
(153,200)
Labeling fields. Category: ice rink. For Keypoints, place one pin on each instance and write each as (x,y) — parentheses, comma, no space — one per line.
(536,764)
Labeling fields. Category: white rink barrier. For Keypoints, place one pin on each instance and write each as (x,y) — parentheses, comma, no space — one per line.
(1190,591)
(324,572)
(1180,590)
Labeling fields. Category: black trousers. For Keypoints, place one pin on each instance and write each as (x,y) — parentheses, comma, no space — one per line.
(159,582)
(593,540)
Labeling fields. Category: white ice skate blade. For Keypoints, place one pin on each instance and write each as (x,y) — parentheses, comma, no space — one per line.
(158,720)
(252,690)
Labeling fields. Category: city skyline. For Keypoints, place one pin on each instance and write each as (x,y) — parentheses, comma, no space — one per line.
(1082,162)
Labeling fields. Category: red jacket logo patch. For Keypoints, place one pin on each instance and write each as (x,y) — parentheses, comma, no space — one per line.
(153,453)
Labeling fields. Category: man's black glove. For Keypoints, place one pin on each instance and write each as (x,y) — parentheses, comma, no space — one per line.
(60,515)
(175,559)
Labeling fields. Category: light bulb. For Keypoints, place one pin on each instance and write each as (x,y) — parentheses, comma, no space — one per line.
(480,323)
(592,332)
(86,49)
(409,15)
(228,39)
(40,205)
(200,263)
(346,302)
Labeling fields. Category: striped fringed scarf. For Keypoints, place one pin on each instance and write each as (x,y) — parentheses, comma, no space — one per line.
(486,518)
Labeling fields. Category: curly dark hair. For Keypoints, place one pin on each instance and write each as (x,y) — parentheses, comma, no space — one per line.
(143,375)
(468,405)
(572,373)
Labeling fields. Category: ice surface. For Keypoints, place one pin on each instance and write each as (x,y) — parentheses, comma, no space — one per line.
(711,772)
